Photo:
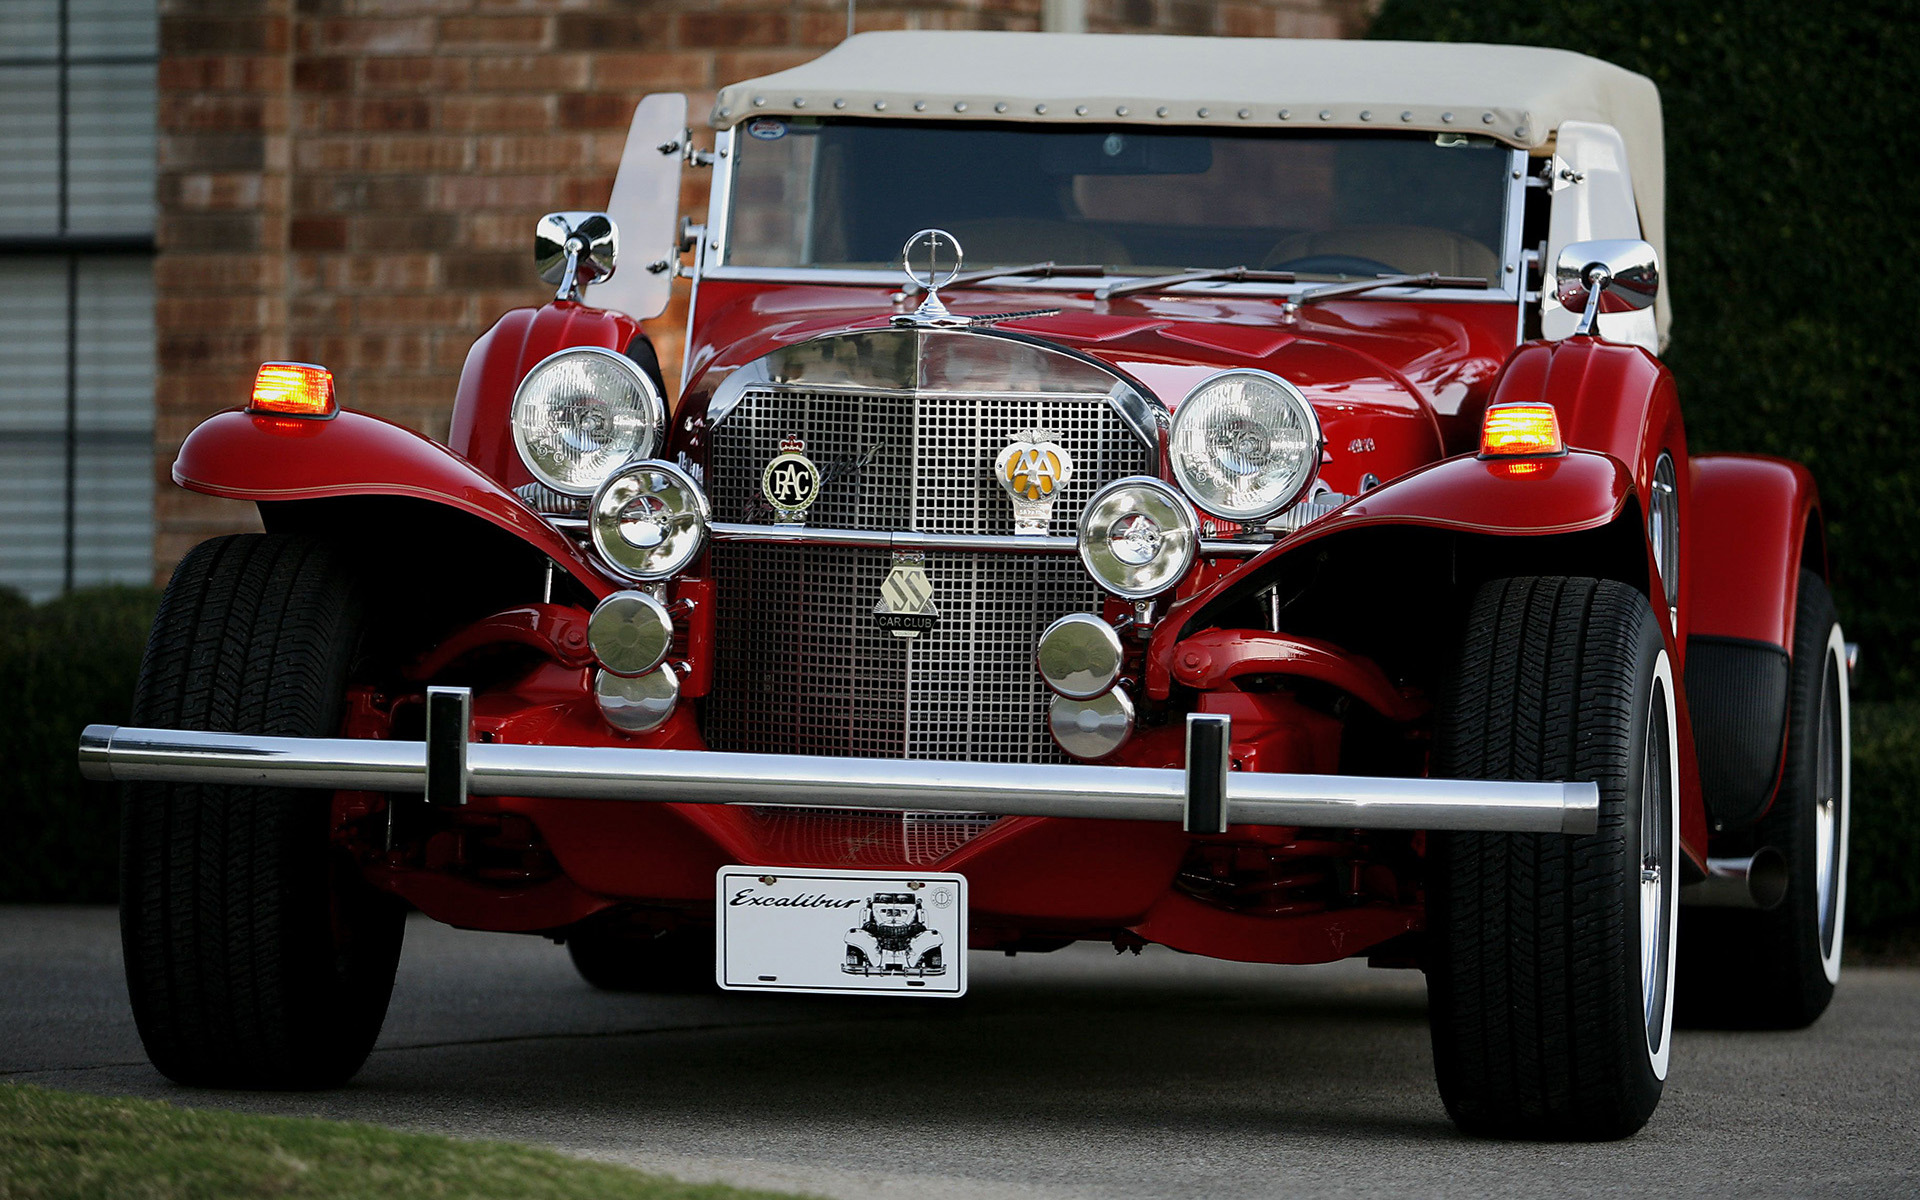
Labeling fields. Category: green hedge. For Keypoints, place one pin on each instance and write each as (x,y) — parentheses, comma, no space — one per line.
(64,665)
(1792,137)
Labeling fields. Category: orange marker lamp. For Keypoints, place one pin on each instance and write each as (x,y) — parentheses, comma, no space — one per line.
(291,389)
(1520,431)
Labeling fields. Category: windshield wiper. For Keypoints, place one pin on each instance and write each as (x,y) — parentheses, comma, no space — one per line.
(1153,283)
(1432,279)
(1039,270)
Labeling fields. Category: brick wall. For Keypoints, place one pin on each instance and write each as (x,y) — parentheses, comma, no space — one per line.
(355,182)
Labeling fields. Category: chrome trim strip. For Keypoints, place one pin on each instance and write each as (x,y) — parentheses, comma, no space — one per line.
(880,539)
(708,777)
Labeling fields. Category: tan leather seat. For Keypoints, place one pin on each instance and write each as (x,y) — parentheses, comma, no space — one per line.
(1013,240)
(1407,248)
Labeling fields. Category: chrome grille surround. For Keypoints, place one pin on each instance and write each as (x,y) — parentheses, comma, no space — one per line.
(905,445)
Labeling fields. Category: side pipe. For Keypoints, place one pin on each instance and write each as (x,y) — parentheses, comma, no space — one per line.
(713,777)
(1757,881)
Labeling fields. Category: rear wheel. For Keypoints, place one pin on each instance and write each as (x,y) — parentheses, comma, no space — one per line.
(1550,978)
(1777,969)
(255,955)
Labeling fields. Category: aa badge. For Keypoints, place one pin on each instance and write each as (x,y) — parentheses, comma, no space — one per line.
(1032,470)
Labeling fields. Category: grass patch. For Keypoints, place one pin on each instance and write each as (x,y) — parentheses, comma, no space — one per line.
(55,1145)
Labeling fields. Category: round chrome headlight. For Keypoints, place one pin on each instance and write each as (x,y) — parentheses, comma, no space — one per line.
(1245,445)
(581,413)
(649,521)
(1138,537)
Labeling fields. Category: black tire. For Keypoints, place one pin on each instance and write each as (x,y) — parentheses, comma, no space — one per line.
(616,957)
(1546,1021)
(255,955)
(1745,969)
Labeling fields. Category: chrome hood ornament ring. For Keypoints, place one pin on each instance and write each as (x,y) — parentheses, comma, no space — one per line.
(932,248)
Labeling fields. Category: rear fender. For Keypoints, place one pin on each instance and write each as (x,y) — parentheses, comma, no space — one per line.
(277,460)
(1757,524)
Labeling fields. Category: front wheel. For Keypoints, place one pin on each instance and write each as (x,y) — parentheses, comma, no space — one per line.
(1550,976)
(255,954)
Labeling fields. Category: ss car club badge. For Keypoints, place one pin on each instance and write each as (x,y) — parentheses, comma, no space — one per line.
(1032,470)
(791,483)
(906,608)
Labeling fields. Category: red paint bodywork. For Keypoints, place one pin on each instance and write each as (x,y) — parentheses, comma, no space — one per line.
(1753,516)
(1398,386)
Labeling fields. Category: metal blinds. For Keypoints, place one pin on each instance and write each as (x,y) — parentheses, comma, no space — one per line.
(76,293)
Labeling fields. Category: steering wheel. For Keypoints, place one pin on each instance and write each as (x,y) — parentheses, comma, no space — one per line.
(1334,264)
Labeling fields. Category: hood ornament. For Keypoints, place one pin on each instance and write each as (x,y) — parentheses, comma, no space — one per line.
(932,247)
(928,246)
(1032,470)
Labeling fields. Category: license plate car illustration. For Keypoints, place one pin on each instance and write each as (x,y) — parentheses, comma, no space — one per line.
(861,932)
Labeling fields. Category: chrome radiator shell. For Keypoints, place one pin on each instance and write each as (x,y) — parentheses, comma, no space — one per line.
(904,427)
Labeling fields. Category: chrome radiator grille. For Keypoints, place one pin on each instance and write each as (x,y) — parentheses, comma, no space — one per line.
(800,665)
(801,668)
(921,462)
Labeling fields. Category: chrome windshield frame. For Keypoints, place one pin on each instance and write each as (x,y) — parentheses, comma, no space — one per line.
(1510,290)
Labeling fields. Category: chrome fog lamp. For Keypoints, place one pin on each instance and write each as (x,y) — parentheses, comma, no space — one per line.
(1078,656)
(640,704)
(649,521)
(1089,729)
(1245,445)
(629,633)
(1138,536)
(581,413)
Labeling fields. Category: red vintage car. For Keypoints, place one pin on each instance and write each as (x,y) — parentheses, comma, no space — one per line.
(1218,494)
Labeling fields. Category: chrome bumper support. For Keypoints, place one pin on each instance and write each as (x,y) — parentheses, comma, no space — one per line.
(710,777)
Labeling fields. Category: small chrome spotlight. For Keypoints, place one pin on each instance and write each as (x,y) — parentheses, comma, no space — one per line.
(630,633)
(1079,656)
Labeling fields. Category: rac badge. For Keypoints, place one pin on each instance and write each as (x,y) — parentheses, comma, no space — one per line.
(791,483)
(906,608)
(1033,469)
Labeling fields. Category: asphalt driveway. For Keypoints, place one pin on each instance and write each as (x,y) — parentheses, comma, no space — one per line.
(1076,1074)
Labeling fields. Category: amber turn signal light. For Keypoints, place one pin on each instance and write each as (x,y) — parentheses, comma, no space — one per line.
(290,389)
(1520,430)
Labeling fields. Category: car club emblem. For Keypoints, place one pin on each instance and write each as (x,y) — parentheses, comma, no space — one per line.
(1032,469)
(791,483)
(906,608)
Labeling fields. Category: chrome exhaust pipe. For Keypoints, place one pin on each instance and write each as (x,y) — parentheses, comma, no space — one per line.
(1756,881)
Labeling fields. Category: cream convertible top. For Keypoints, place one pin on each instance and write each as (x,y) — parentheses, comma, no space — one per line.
(1518,94)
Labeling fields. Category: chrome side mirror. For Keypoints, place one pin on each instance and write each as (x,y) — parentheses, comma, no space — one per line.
(574,249)
(1615,275)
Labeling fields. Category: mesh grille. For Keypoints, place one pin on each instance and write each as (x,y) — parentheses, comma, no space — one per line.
(924,463)
(801,668)
(837,837)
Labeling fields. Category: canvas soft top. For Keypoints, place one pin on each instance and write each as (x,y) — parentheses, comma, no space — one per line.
(1518,94)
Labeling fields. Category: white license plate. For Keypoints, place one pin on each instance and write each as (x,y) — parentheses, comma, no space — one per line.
(794,929)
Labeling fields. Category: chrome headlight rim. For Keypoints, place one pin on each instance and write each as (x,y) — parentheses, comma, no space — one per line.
(1186,529)
(601,523)
(655,419)
(1195,488)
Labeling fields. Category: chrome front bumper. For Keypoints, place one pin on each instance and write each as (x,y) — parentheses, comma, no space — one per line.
(1206,798)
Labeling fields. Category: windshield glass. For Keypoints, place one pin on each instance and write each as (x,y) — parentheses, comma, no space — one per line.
(846,194)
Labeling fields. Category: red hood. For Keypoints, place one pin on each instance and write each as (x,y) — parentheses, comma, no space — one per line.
(1396,384)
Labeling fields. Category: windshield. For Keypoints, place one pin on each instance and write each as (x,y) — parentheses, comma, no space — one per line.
(844,194)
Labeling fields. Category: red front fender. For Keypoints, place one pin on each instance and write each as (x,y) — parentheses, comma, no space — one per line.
(1533,497)
(245,457)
